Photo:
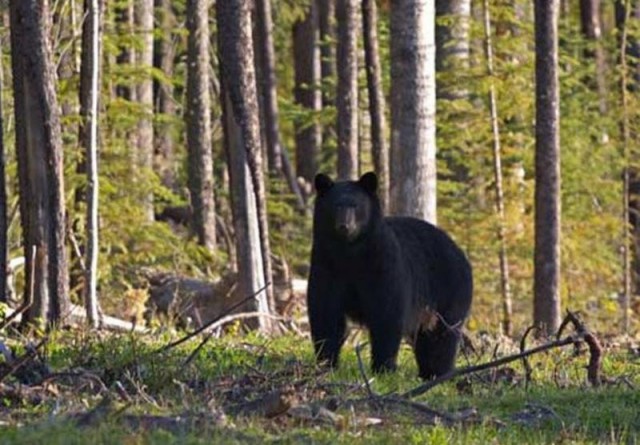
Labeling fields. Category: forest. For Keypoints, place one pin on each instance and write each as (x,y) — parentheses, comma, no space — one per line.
(157,165)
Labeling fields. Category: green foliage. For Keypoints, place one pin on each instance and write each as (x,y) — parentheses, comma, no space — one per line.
(161,384)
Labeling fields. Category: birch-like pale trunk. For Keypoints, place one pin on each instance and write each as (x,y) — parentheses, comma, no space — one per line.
(505,285)
(413,109)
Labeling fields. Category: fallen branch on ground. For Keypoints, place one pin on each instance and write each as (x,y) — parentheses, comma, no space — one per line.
(582,333)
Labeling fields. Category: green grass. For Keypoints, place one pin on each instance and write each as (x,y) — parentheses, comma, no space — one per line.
(235,369)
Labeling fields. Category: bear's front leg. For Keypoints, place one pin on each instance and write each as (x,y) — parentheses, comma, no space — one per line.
(325,305)
(385,343)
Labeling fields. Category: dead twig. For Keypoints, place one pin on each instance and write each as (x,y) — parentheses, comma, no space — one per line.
(492,364)
(19,363)
(582,333)
(363,373)
(595,350)
(208,324)
(29,300)
(525,363)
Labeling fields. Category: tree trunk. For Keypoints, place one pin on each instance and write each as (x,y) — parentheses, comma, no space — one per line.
(264,25)
(505,285)
(546,311)
(623,13)
(307,78)
(413,109)
(165,102)
(236,60)
(198,122)
(89,96)
(590,21)
(4,223)
(144,91)
(326,25)
(125,25)
(40,167)
(452,44)
(347,89)
(379,146)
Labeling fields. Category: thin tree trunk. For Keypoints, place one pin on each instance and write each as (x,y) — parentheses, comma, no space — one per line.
(307,78)
(198,120)
(4,225)
(505,284)
(590,21)
(413,109)
(379,146)
(264,25)
(125,25)
(546,311)
(452,45)
(89,97)
(40,167)
(623,23)
(236,50)
(144,21)
(326,27)
(165,102)
(347,89)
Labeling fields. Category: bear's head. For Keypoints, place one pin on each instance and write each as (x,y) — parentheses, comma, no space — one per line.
(346,210)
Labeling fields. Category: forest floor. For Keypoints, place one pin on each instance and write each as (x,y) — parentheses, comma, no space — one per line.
(97,388)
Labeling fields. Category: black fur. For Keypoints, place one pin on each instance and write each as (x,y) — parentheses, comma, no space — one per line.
(386,273)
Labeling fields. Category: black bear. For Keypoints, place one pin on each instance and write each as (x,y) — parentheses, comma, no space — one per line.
(397,276)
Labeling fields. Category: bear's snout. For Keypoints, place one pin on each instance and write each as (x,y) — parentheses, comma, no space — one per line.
(346,222)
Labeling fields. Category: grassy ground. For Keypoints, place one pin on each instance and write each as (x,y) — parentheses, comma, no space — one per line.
(248,389)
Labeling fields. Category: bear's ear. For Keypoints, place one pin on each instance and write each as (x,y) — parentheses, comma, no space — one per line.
(369,182)
(322,183)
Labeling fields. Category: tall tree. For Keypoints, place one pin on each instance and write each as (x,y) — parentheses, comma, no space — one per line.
(413,109)
(347,89)
(239,82)
(452,43)
(379,146)
(326,27)
(198,120)
(629,176)
(546,306)
(4,226)
(264,25)
(505,284)
(40,167)
(89,96)
(307,78)
(591,29)
(165,49)
(144,23)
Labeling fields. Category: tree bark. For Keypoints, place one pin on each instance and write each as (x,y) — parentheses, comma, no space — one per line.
(413,109)
(4,224)
(629,218)
(546,311)
(125,25)
(198,121)
(452,44)
(264,25)
(307,79)
(236,60)
(505,285)
(590,25)
(164,137)
(144,22)
(40,167)
(379,146)
(326,25)
(89,97)
(347,89)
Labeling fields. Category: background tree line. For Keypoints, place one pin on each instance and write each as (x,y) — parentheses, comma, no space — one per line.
(218,116)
